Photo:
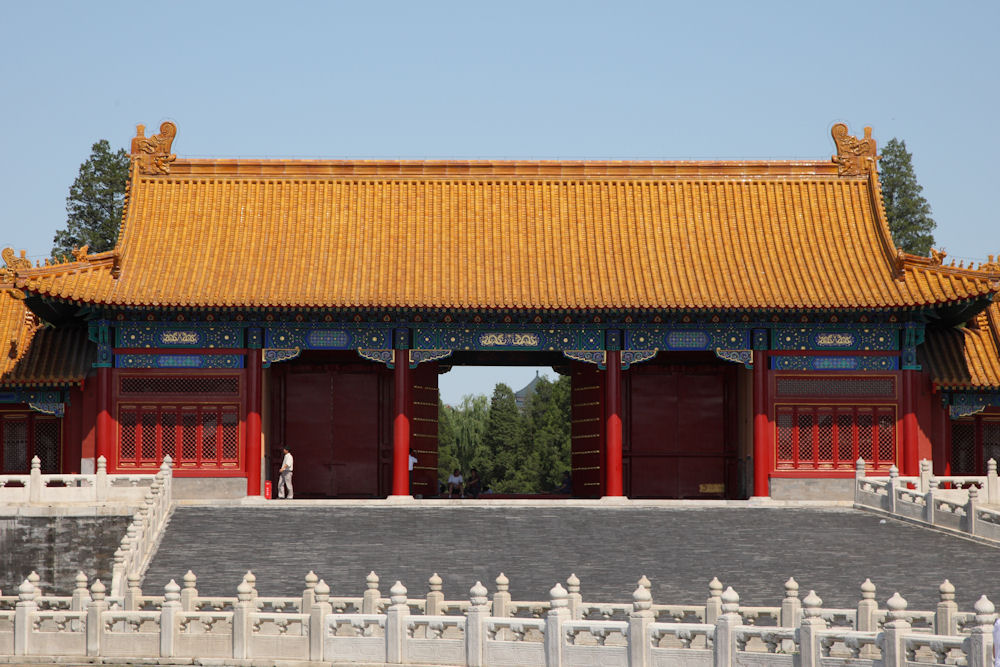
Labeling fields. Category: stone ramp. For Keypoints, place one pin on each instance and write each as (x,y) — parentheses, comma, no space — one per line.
(753,549)
(57,547)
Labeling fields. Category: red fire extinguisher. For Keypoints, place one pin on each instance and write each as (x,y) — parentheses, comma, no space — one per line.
(267,490)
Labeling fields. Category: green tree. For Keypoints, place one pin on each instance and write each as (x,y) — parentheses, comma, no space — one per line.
(95,202)
(460,435)
(908,212)
(502,442)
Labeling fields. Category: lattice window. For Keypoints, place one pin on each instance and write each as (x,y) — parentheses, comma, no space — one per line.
(866,449)
(835,387)
(833,437)
(47,444)
(209,435)
(963,448)
(195,437)
(230,436)
(991,441)
(128,421)
(149,421)
(785,440)
(227,385)
(15,444)
(168,439)
(845,436)
(189,439)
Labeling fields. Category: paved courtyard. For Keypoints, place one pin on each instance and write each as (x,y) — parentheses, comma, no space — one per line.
(752,549)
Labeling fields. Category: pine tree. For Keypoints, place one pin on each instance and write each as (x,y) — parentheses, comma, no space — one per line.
(908,212)
(502,442)
(95,202)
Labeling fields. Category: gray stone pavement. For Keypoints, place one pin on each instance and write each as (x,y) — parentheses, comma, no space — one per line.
(752,549)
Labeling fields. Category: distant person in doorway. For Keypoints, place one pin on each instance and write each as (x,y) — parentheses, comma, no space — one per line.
(413,462)
(285,475)
(474,485)
(566,487)
(455,483)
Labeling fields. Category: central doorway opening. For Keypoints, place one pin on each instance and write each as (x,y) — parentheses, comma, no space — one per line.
(504,426)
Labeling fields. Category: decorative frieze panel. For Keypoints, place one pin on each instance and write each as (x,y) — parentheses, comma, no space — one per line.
(383,356)
(186,335)
(39,396)
(272,355)
(833,337)
(191,361)
(966,403)
(834,363)
(599,357)
(312,337)
(519,338)
(744,357)
(688,339)
(418,357)
(54,409)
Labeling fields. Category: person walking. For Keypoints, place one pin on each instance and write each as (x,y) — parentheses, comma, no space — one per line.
(285,475)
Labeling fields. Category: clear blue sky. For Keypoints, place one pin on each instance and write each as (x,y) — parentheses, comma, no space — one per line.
(501,79)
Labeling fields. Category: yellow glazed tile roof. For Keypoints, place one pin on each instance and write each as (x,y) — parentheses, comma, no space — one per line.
(967,357)
(504,235)
(35,355)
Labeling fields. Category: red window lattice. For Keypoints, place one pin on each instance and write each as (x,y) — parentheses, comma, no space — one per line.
(813,437)
(974,441)
(225,386)
(26,435)
(835,386)
(195,436)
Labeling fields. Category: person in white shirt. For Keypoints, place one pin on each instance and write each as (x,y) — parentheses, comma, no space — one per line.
(285,475)
(455,484)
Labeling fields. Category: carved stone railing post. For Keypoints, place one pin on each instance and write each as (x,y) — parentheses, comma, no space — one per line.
(557,615)
(251,580)
(81,596)
(865,621)
(893,485)
(317,621)
(435,596)
(895,629)
(979,645)
(242,610)
(101,482)
(168,618)
(926,472)
(573,597)
(372,596)
(992,483)
(501,598)
(809,628)
(23,621)
(859,474)
(309,592)
(791,606)
(189,594)
(639,654)
(724,642)
(118,568)
(713,605)
(475,624)
(36,581)
(945,622)
(395,625)
(95,622)
(971,507)
(35,484)
(133,594)
(929,509)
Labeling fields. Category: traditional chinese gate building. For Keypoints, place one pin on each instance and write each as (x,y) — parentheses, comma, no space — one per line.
(731,328)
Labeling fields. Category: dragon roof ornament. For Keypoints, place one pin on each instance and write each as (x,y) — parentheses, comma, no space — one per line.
(152,154)
(855,157)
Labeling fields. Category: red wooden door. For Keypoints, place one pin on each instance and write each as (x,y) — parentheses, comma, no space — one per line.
(680,437)
(587,430)
(331,425)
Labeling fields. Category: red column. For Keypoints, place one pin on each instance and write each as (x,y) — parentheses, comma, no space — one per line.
(401,425)
(613,419)
(761,426)
(252,452)
(104,430)
(910,464)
